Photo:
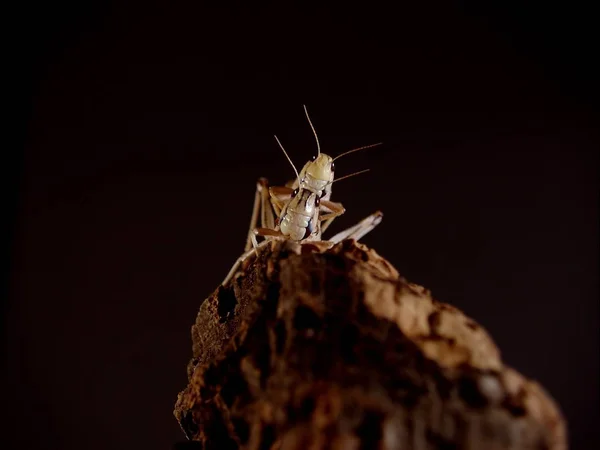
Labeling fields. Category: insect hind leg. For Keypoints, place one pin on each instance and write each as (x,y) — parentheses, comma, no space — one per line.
(360,229)
(263,208)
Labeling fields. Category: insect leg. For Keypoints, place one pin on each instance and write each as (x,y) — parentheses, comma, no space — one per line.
(337,209)
(264,232)
(262,206)
(268,216)
(267,232)
(281,191)
(279,196)
(261,184)
(360,229)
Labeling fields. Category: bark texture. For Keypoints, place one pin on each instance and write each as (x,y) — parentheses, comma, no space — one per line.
(309,349)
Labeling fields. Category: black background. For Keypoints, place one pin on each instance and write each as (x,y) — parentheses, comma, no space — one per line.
(142,127)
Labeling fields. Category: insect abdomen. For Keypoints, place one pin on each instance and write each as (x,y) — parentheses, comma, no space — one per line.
(294,225)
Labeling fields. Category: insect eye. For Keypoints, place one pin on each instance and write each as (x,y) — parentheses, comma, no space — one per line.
(295,192)
(333,167)
(313,158)
(318,201)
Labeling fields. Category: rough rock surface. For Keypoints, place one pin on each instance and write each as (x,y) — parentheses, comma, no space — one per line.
(334,350)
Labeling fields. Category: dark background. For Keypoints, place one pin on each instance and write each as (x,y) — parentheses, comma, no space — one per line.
(141,128)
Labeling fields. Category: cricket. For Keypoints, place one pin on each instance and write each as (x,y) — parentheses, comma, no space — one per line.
(302,210)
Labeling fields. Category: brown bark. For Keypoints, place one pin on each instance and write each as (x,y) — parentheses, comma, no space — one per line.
(334,350)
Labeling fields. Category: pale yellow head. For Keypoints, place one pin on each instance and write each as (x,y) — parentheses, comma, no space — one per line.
(318,173)
(321,168)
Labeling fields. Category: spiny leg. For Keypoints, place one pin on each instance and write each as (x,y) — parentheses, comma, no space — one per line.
(267,232)
(337,209)
(277,206)
(293,184)
(268,217)
(279,196)
(261,183)
(281,191)
(360,229)
(264,232)
(263,207)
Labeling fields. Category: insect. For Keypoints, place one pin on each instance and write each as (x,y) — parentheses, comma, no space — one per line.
(302,210)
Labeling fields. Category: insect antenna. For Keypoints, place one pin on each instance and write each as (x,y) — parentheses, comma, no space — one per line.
(313,129)
(289,159)
(357,149)
(348,176)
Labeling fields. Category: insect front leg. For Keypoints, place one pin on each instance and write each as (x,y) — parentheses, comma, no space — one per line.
(360,229)
(280,195)
(336,209)
(267,232)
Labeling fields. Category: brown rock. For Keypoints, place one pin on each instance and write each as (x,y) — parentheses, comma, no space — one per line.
(334,350)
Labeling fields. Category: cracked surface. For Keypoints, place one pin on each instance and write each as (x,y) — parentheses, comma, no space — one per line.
(310,349)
